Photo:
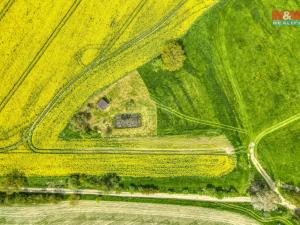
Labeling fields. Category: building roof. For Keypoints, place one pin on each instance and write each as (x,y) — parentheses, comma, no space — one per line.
(103,103)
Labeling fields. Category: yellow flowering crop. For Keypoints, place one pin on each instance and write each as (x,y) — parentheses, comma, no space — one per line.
(55,54)
(33,164)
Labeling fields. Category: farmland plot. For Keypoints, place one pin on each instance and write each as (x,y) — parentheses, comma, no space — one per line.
(78,28)
(121,213)
(86,27)
(89,52)
(135,165)
(21,44)
(100,76)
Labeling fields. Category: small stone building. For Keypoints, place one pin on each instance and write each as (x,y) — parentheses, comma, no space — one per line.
(103,103)
(128,120)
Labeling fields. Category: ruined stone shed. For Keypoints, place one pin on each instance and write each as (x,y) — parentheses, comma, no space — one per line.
(127,120)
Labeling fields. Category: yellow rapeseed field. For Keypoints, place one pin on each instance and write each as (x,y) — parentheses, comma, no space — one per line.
(21,36)
(52,67)
(55,54)
(124,164)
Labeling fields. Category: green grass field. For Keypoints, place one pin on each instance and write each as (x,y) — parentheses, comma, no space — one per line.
(279,153)
(184,92)
(255,63)
(241,72)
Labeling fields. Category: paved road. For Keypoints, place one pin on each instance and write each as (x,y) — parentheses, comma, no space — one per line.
(194,197)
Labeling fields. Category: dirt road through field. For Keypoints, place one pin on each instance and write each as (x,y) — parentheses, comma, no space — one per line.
(194,197)
(253,148)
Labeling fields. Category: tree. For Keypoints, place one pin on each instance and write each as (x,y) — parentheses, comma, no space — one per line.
(13,182)
(258,185)
(297,213)
(81,122)
(108,131)
(110,181)
(173,56)
(76,180)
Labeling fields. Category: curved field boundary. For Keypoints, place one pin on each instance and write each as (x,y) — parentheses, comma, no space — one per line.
(243,112)
(256,216)
(6,8)
(11,147)
(95,63)
(39,54)
(197,120)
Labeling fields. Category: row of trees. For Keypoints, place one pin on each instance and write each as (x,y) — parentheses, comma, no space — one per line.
(13,182)
(10,185)
(106,182)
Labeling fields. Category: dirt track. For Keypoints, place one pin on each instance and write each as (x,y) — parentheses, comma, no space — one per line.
(194,197)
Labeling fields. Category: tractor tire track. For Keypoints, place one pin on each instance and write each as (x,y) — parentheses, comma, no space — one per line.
(227,69)
(197,120)
(39,54)
(255,216)
(11,147)
(73,8)
(5,9)
(95,63)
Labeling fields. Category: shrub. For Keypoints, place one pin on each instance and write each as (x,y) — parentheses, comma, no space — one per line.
(110,181)
(13,182)
(81,122)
